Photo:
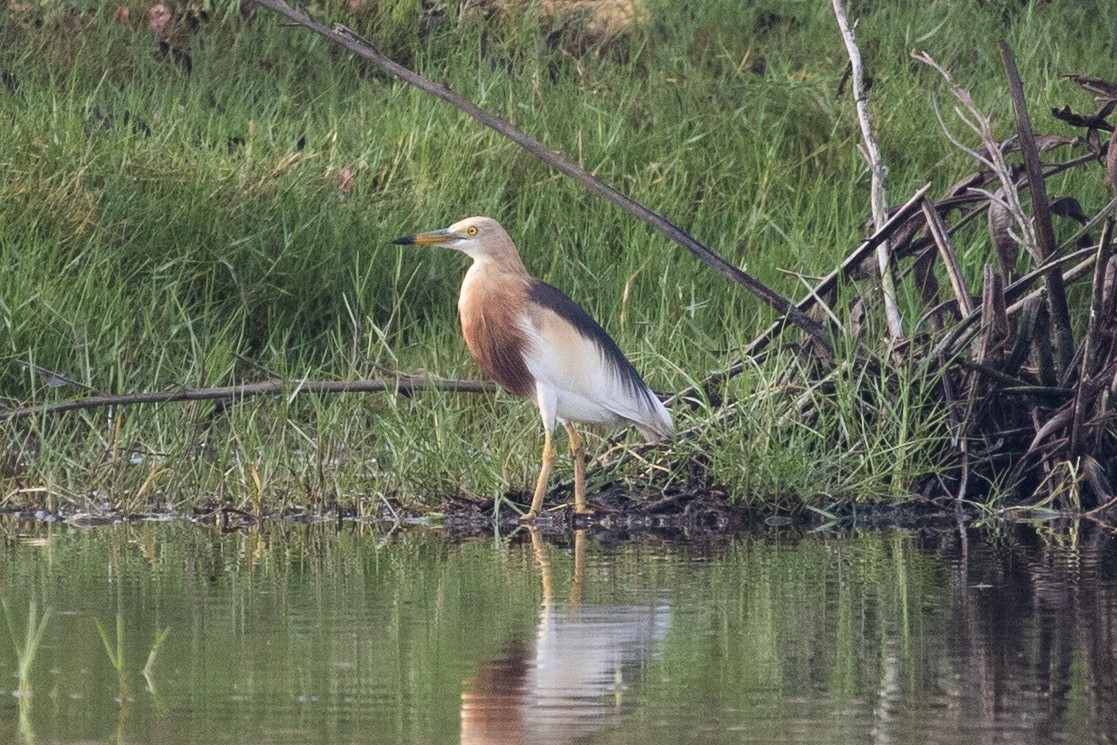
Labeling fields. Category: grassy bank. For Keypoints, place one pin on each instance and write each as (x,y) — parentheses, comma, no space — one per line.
(163,227)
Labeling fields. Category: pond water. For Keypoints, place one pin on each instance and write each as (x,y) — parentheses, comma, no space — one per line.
(176,633)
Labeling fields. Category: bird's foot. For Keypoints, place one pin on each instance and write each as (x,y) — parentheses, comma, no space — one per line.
(529,517)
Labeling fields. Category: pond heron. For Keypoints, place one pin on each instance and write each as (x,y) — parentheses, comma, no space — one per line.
(540,345)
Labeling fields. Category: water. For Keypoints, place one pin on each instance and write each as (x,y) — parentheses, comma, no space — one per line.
(295,634)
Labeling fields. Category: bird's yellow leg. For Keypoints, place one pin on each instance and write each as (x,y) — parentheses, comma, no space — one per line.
(576,455)
(544,475)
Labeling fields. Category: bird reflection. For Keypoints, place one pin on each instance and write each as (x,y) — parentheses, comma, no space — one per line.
(569,681)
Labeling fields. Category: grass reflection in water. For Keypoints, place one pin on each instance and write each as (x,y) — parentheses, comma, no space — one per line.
(318,634)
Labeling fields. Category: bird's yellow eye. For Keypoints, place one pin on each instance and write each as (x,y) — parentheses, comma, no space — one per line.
(471,231)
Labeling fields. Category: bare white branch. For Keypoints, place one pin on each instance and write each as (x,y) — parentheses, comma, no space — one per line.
(982,125)
(878,199)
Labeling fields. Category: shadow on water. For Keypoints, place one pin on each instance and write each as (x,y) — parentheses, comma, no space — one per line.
(315,634)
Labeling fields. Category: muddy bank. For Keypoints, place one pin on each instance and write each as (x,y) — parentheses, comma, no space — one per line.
(618,515)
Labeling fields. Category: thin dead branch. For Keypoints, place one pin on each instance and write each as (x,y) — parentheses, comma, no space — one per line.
(248,390)
(898,219)
(363,49)
(949,258)
(991,156)
(1045,233)
(854,260)
(1092,342)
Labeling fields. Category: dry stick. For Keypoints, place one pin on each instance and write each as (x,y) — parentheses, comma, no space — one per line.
(851,262)
(1001,377)
(963,443)
(1071,275)
(871,152)
(983,200)
(1090,344)
(959,334)
(812,297)
(236,392)
(949,258)
(993,159)
(761,342)
(1061,418)
(953,268)
(1100,508)
(1045,233)
(55,379)
(364,50)
(994,319)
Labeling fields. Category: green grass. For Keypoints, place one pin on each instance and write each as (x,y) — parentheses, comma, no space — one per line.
(162,230)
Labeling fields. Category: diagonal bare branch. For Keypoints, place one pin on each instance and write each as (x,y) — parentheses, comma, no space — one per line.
(363,49)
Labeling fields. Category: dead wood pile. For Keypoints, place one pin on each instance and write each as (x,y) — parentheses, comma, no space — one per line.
(1025,346)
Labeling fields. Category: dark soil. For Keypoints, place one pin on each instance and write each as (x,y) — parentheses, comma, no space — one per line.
(620,515)
(617,515)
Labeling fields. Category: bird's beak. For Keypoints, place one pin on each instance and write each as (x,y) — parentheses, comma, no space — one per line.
(433,238)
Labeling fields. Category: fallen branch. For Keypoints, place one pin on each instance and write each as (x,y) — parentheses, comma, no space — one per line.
(949,259)
(363,49)
(991,156)
(899,217)
(248,390)
(760,343)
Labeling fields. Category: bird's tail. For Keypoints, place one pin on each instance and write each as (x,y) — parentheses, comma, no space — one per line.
(656,425)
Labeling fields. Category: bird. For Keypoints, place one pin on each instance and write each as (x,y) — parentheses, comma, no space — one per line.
(540,345)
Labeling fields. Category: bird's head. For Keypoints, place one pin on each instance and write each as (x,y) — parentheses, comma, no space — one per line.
(479,237)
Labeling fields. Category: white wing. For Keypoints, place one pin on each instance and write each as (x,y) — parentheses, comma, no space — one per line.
(570,355)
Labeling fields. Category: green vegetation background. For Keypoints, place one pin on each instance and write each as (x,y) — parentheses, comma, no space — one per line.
(162,229)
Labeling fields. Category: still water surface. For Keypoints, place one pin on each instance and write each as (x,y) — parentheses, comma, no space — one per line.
(296,634)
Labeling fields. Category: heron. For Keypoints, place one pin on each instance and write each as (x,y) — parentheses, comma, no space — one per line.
(538,344)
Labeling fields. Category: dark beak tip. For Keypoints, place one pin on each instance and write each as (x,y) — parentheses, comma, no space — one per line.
(404,241)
